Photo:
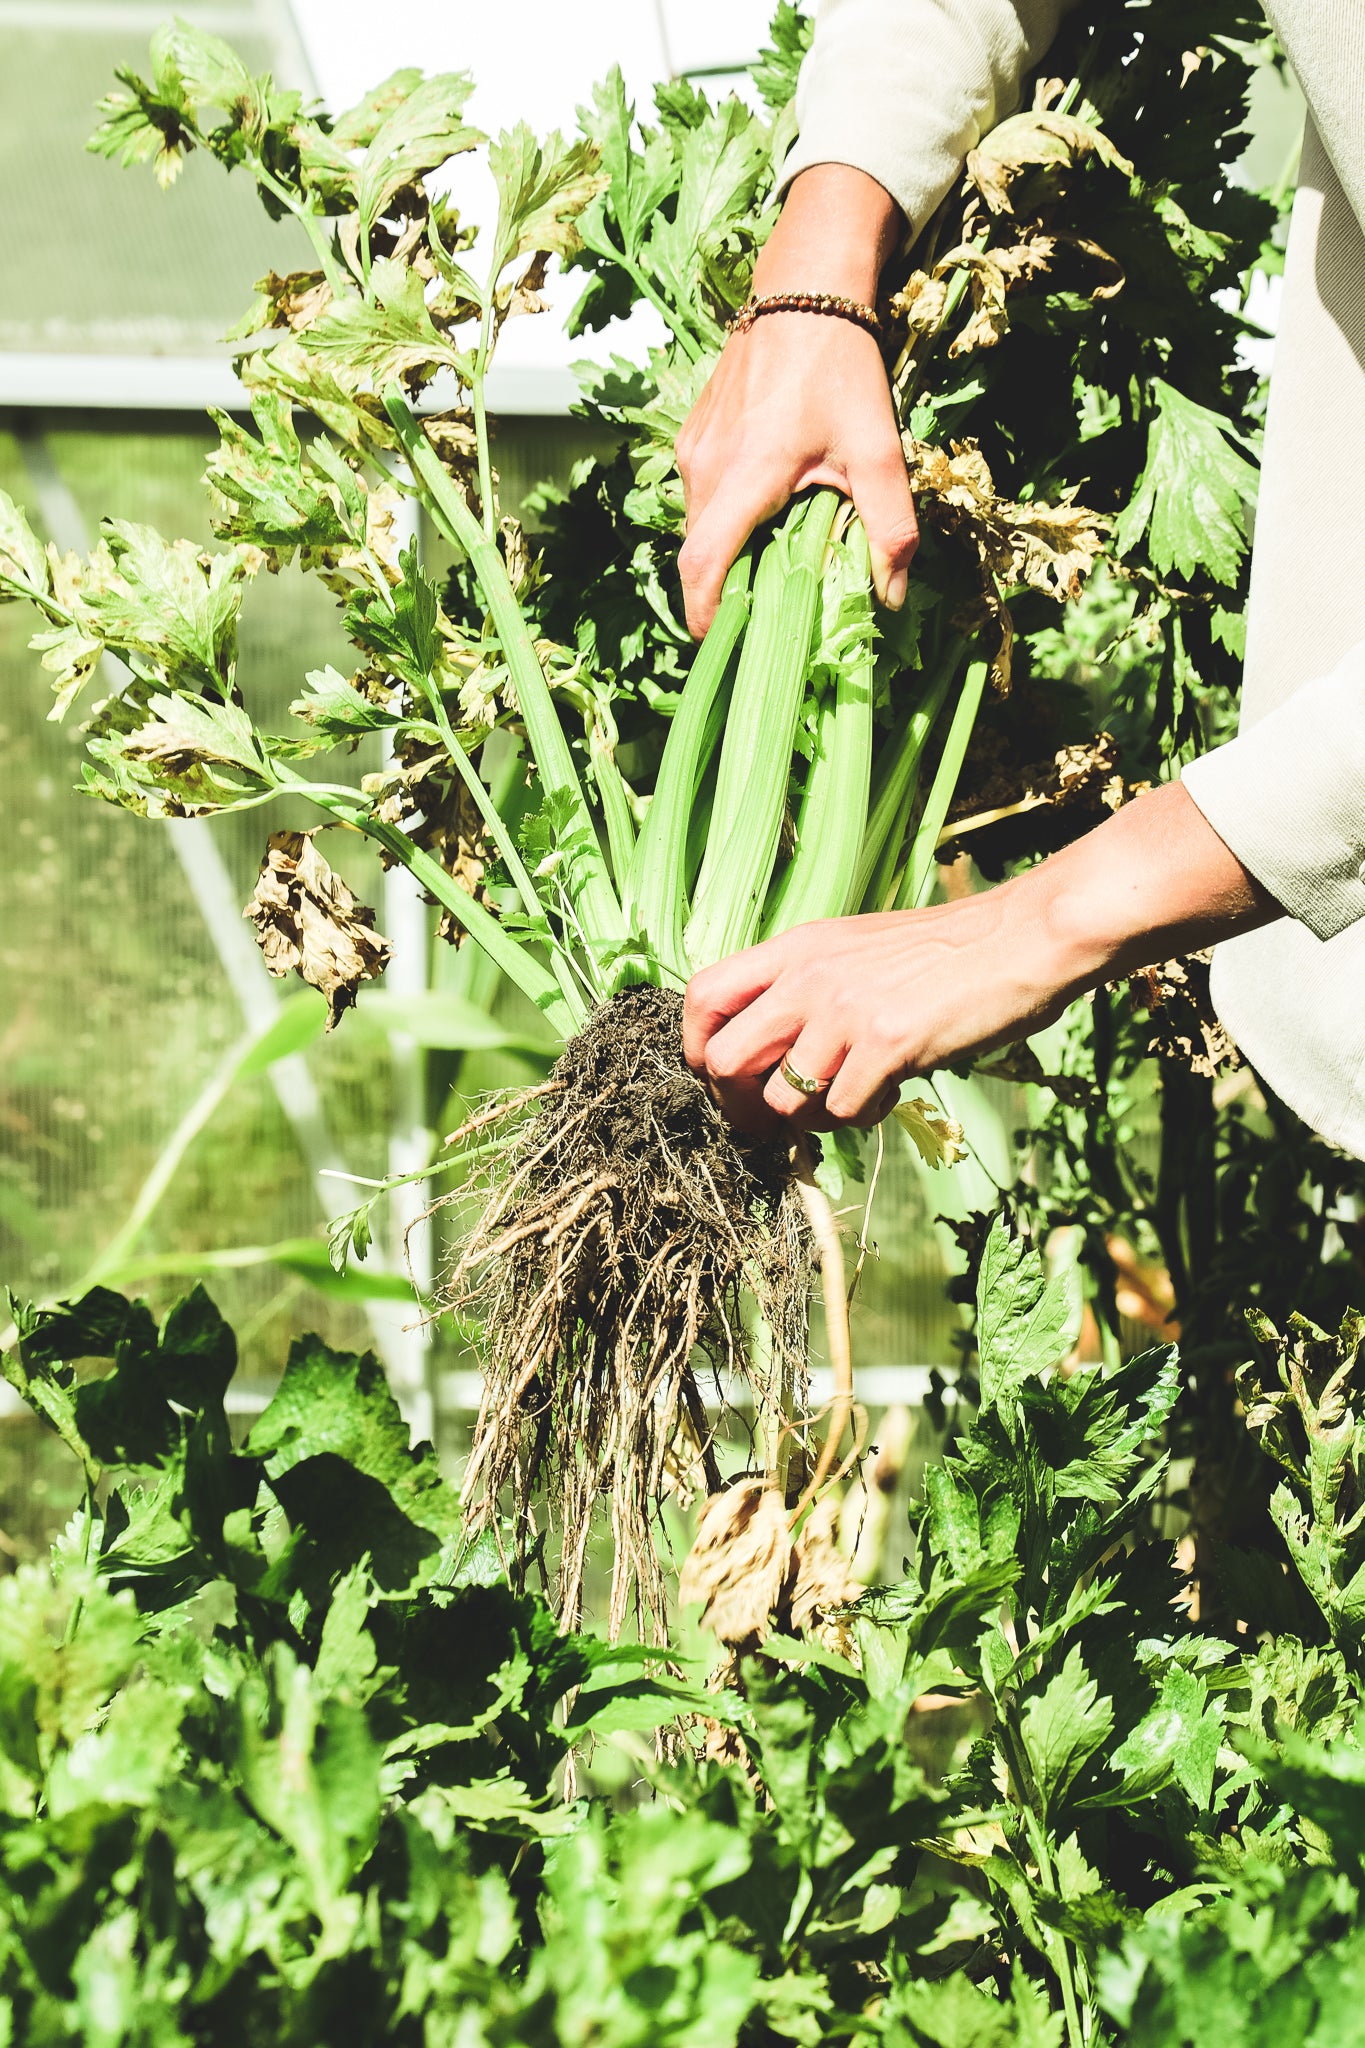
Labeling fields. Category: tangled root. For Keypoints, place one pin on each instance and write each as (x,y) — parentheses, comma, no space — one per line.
(624,1223)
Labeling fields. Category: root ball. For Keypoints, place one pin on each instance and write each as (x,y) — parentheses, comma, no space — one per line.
(624,1223)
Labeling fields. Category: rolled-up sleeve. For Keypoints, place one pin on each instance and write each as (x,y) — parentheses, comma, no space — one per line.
(1288,797)
(902,89)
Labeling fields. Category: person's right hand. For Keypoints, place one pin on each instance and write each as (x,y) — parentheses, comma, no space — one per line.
(801,399)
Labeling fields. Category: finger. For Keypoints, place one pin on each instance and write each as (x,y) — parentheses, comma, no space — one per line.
(880,489)
(716,994)
(816,1056)
(722,524)
(741,1103)
(880,1111)
(757,1036)
(867,1077)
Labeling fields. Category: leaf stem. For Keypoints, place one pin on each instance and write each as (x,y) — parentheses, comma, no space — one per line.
(479,401)
(596,898)
(564,1011)
(308,220)
(38,597)
(501,837)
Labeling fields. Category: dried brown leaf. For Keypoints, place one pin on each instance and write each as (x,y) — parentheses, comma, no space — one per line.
(1051,548)
(527,295)
(1030,257)
(1113,276)
(429,801)
(824,1584)
(1183,1023)
(294,301)
(1039,139)
(741,1561)
(309,923)
(988,320)
(920,302)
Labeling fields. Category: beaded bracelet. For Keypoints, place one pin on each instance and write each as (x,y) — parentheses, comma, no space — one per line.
(805,302)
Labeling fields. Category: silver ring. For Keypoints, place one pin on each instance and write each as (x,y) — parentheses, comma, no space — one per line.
(802,1083)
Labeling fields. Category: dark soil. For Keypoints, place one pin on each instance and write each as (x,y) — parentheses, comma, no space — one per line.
(626,1220)
(646,1108)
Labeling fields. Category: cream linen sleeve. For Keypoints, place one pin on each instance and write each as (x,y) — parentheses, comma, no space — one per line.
(1288,797)
(902,89)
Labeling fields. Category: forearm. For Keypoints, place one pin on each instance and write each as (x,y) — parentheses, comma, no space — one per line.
(1153,881)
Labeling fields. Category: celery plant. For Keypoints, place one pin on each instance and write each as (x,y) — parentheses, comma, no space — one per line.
(785,757)
(797,724)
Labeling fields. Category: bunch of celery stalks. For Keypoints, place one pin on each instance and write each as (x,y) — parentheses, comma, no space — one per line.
(772,741)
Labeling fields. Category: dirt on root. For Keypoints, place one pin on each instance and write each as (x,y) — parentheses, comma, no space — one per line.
(625,1220)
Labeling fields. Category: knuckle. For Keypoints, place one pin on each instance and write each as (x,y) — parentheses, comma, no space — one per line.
(901,538)
(695,558)
(722,1064)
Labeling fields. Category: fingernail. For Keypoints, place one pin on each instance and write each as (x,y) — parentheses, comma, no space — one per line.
(896,589)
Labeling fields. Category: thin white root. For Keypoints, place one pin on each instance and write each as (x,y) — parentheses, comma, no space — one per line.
(826,1234)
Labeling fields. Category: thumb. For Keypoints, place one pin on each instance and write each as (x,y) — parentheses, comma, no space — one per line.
(880,489)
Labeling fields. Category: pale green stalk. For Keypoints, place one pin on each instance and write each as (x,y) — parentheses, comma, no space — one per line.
(834,805)
(479,400)
(615,807)
(591,887)
(40,598)
(919,869)
(656,888)
(755,762)
(893,795)
(502,838)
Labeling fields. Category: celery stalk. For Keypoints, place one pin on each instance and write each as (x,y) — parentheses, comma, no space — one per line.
(755,762)
(615,807)
(834,806)
(919,869)
(893,794)
(656,889)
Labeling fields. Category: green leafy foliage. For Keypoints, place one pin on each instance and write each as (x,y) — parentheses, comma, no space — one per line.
(274,1744)
(1196,496)
(279,1750)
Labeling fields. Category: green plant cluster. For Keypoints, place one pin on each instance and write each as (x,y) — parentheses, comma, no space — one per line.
(281,1756)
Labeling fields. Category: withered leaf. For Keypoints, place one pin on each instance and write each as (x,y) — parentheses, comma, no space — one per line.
(424,795)
(1054,547)
(309,923)
(938,1139)
(1039,139)
(920,302)
(294,301)
(1050,548)
(989,319)
(825,1582)
(1184,1026)
(741,1561)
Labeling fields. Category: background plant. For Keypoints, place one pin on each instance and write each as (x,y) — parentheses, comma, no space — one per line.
(281,1751)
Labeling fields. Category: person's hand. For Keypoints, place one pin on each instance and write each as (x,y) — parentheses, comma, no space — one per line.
(865,1003)
(801,399)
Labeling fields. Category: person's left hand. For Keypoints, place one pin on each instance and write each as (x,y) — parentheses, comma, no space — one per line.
(864,1003)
